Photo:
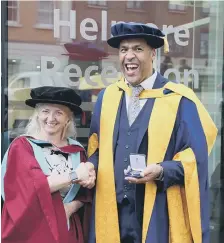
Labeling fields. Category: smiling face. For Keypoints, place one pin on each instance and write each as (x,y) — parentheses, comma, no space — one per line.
(53,118)
(136,60)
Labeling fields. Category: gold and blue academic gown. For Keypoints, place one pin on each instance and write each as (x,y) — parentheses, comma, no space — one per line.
(187,133)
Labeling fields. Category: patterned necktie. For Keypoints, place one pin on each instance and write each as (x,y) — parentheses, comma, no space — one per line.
(134,104)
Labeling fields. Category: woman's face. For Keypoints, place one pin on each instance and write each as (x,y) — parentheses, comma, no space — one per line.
(53,118)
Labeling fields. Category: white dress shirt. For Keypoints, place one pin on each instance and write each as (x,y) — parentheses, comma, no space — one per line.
(146,84)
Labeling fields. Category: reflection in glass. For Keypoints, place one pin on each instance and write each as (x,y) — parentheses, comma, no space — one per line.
(194,31)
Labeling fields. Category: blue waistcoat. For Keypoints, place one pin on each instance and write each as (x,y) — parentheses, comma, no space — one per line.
(126,143)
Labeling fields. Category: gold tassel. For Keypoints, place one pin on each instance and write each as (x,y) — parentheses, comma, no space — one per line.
(166,44)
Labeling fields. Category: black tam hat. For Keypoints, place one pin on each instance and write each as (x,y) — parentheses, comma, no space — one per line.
(55,95)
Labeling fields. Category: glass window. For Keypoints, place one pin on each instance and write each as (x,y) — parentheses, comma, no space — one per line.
(97,2)
(205,7)
(45,13)
(80,58)
(204,44)
(177,5)
(13,11)
(134,4)
(13,66)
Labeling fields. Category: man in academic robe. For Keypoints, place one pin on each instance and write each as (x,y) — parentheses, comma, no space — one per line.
(145,115)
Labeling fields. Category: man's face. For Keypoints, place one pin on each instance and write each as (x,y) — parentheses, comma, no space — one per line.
(135,57)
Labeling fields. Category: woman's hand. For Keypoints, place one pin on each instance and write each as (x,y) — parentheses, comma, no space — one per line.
(72,207)
(56,181)
(68,213)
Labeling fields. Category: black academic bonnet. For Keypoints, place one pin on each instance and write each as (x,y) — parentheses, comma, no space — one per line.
(55,95)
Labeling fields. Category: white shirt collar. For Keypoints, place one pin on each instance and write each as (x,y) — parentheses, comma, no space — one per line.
(149,82)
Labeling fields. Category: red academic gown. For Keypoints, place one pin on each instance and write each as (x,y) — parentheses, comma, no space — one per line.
(31,214)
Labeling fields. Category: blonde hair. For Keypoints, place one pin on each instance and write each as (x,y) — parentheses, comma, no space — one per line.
(33,126)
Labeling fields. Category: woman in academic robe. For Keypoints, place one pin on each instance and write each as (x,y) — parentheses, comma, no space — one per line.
(42,172)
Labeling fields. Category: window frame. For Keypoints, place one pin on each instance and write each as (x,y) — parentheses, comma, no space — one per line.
(134,5)
(97,3)
(202,39)
(42,25)
(17,21)
(205,9)
(176,6)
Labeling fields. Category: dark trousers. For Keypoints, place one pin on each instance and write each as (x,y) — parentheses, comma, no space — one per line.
(130,228)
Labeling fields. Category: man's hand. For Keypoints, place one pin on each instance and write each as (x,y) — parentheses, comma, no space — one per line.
(90,182)
(82,172)
(150,173)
